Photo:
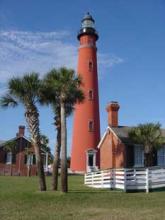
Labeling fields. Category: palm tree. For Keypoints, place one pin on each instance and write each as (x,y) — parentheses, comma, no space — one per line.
(149,135)
(61,90)
(25,90)
(57,123)
(49,96)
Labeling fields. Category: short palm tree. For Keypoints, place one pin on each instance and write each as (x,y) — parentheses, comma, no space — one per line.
(25,90)
(49,96)
(61,90)
(57,123)
(149,135)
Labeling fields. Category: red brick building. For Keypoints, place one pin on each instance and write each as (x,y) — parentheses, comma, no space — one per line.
(17,156)
(117,150)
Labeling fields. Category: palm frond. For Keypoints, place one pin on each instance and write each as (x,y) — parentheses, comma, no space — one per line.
(148,134)
(16,87)
(25,88)
(8,101)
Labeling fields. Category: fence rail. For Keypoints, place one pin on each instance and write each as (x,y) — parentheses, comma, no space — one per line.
(127,179)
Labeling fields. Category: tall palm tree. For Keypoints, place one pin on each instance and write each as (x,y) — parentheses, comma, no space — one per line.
(149,135)
(25,90)
(62,91)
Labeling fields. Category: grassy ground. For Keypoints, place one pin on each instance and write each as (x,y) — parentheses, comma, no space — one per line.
(20,200)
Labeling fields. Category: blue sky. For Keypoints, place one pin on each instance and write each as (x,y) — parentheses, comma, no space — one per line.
(41,34)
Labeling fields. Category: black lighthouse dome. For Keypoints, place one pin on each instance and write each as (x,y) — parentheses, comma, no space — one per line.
(87,26)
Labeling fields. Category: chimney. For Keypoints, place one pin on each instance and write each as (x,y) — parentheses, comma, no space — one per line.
(112,109)
(21,131)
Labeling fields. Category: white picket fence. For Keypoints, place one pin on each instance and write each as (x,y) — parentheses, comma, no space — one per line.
(127,179)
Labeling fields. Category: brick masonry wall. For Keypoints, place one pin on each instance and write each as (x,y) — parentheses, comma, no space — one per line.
(19,168)
(112,153)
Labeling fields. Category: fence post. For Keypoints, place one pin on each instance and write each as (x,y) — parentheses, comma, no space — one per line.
(147,180)
(134,172)
(125,180)
(113,179)
(85,179)
(102,179)
(92,178)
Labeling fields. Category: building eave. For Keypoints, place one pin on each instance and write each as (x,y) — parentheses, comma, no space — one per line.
(109,129)
(13,139)
(102,139)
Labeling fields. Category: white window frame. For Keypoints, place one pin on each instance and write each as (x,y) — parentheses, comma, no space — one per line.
(138,156)
(9,158)
(29,159)
(161,157)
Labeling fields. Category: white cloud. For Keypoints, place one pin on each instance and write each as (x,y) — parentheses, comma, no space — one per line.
(22,52)
(108,61)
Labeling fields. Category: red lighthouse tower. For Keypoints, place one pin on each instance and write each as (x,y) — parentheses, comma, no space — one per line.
(86,128)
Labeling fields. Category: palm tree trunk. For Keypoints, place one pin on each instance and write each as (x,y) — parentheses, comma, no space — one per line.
(151,159)
(64,176)
(146,160)
(40,168)
(32,118)
(56,160)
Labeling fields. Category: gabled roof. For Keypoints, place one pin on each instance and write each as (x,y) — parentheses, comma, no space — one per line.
(121,132)
(109,129)
(2,143)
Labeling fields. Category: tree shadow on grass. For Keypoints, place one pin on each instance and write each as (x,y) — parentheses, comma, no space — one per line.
(93,191)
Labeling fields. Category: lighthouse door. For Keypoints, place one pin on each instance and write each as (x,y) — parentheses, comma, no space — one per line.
(91,160)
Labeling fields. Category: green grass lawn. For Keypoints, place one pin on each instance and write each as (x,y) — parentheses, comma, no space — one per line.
(19,199)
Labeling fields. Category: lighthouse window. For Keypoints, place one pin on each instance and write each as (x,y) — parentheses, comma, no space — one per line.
(88,23)
(91,126)
(90,66)
(90,95)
